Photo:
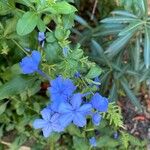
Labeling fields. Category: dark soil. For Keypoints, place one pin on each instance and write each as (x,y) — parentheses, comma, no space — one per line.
(137,123)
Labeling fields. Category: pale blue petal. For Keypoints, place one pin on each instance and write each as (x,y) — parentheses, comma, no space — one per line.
(96,118)
(36,56)
(79,120)
(39,123)
(46,114)
(55,117)
(86,108)
(92,141)
(100,103)
(47,131)
(66,119)
(57,127)
(76,100)
(65,108)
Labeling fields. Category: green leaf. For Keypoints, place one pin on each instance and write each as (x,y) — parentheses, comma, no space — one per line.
(130,28)
(118,44)
(16,86)
(73,130)
(130,94)
(97,47)
(101,142)
(26,2)
(81,21)
(94,72)
(41,26)
(80,144)
(60,33)
(147,48)
(4,8)
(62,8)
(51,52)
(113,96)
(50,37)
(68,20)
(3,107)
(27,23)
(136,54)
(123,13)
(118,19)
(143,7)
(10,27)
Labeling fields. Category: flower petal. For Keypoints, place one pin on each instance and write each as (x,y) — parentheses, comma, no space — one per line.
(96,118)
(85,109)
(76,100)
(66,119)
(47,131)
(36,56)
(39,123)
(57,127)
(55,117)
(46,114)
(65,108)
(92,141)
(79,120)
(100,103)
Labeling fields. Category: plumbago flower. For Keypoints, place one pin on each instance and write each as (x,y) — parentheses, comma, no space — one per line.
(99,103)
(66,107)
(61,90)
(96,118)
(49,123)
(30,64)
(92,142)
(74,112)
(41,38)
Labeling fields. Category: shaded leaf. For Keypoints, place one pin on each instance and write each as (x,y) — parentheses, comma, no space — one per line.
(118,44)
(118,19)
(123,13)
(130,28)
(94,72)
(16,86)
(147,48)
(3,107)
(130,94)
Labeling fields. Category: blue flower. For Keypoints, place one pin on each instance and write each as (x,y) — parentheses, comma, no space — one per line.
(41,36)
(29,64)
(100,103)
(49,123)
(96,118)
(61,89)
(65,51)
(115,135)
(92,141)
(74,111)
(77,75)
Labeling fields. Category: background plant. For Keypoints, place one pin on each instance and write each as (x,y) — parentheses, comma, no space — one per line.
(20,22)
(120,44)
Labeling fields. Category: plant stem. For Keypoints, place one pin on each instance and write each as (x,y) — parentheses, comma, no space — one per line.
(21,48)
(51,145)
(48,29)
(43,74)
(91,129)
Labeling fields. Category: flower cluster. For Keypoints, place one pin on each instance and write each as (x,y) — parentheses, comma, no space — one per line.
(66,106)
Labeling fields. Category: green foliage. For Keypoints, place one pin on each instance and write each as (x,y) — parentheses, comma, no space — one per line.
(22,97)
(114,116)
(27,23)
(120,45)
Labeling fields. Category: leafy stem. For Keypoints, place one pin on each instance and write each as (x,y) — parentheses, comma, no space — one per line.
(20,47)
